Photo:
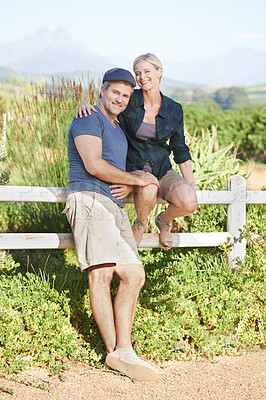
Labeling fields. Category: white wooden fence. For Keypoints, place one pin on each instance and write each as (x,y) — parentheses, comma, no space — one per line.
(236,198)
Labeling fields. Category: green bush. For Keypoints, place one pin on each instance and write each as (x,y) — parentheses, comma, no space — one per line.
(35,326)
(192,303)
(246,128)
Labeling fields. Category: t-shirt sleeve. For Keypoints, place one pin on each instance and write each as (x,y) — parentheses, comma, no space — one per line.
(90,125)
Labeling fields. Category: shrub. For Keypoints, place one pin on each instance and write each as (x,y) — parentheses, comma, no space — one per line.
(245,127)
(35,323)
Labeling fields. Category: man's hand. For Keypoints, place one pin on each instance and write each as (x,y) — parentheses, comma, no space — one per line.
(120,191)
(84,108)
(147,179)
(192,185)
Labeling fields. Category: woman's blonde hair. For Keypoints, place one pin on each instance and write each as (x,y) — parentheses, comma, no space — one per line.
(149,57)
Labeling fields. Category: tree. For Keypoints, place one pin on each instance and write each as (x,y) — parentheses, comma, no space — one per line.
(231,98)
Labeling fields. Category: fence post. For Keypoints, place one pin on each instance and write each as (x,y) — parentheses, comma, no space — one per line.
(236,219)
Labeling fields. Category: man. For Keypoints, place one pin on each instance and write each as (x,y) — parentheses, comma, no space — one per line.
(105,246)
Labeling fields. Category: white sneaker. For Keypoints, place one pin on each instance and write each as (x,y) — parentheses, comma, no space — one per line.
(127,362)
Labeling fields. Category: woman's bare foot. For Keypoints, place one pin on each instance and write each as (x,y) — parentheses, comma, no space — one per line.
(165,237)
(138,228)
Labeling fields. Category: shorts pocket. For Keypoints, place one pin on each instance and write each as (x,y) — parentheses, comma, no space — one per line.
(70,208)
(87,202)
(69,203)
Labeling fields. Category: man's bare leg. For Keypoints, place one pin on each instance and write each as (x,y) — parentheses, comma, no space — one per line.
(115,321)
(124,359)
(132,278)
(100,278)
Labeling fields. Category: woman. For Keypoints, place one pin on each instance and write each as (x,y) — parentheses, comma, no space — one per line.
(153,124)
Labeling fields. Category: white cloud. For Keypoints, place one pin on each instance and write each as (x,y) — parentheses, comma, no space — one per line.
(249,36)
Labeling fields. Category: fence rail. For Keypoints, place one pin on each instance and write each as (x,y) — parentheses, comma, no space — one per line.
(236,198)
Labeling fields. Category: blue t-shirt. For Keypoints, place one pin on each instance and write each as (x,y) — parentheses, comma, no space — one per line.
(114,151)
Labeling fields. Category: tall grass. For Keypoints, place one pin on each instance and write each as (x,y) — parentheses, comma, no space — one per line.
(4,175)
(38,131)
(37,145)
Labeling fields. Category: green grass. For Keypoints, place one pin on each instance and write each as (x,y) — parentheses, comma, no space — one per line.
(192,304)
(35,321)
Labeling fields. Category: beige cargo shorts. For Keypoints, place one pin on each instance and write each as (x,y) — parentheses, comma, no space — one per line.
(101,230)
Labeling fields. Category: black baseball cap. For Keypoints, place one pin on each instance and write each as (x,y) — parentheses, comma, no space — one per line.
(119,74)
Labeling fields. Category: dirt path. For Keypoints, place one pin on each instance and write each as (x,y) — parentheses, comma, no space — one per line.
(257,178)
(225,378)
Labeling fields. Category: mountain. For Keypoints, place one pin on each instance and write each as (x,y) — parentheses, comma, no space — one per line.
(50,52)
(56,53)
(4,74)
(240,66)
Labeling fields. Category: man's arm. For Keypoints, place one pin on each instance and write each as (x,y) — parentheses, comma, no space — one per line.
(90,151)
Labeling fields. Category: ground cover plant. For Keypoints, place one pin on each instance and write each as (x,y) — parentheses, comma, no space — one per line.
(35,324)
(245,127)
(192,303)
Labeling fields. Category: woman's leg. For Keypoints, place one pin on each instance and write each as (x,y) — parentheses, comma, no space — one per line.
(145,200)
(182,201)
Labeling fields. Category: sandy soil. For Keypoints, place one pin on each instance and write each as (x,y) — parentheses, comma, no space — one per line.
(224,378)
(257,178)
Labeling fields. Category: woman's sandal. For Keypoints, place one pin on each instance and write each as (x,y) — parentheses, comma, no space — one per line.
(163,239)
(138,225)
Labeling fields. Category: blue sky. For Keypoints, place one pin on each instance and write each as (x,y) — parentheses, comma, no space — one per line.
(172,29)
